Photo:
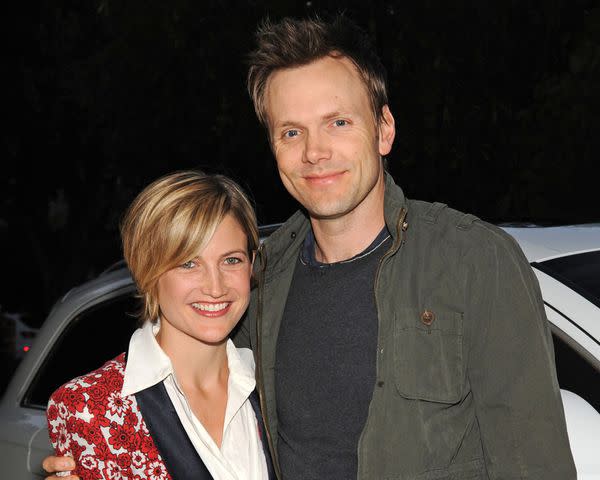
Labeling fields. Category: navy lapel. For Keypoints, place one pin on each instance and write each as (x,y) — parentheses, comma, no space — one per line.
(173,444)
(255,402)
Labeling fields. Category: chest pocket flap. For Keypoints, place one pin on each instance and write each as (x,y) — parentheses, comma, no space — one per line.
(428,354)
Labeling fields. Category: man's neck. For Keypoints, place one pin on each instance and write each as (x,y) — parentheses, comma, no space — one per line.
(344,237)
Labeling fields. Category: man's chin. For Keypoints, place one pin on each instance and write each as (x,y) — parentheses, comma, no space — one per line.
(328,212)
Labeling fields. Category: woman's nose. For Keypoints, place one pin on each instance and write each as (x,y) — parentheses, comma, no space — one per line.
(213,283)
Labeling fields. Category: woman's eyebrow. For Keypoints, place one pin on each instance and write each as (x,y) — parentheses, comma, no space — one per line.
(242,251)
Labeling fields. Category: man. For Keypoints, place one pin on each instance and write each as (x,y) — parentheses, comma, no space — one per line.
(393,338)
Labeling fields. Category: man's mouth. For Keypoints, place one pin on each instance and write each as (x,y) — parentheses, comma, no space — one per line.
(323,178)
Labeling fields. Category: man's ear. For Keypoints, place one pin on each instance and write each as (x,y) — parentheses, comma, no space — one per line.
(387,131)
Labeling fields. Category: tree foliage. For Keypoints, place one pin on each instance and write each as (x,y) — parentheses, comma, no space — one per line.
(496,105)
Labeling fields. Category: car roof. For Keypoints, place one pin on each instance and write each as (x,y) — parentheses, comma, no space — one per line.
(544,243)
(537,242)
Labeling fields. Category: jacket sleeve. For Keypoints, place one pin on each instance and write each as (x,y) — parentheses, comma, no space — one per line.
(61,414)
(511,368)
(82,423)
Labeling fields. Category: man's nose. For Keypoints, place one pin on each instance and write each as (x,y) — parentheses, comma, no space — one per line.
(213,283)
(317,148)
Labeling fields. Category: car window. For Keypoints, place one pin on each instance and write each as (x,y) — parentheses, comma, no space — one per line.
(103,331)
(581,272)
(93,337)
(575,373)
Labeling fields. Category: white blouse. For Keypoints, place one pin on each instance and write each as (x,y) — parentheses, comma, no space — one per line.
(241,456)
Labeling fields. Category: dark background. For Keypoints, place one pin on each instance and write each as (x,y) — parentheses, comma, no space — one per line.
(497,106)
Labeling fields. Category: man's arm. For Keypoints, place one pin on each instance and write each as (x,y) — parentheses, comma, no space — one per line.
(512,372)
(58,465)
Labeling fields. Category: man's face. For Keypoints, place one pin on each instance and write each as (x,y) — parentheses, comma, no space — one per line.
(325,139)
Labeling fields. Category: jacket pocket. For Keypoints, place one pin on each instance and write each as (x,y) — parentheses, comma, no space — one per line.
(474,470)
(428,355)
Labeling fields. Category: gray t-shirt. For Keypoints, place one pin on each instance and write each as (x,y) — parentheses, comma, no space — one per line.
(325,363)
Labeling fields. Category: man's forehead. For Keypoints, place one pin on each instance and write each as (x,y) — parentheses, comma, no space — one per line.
(335,65)
(327,86)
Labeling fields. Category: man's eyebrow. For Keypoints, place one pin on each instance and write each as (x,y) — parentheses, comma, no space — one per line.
(332,115)
(326,116)
(285,124)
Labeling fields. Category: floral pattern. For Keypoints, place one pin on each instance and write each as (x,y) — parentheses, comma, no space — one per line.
(104,432)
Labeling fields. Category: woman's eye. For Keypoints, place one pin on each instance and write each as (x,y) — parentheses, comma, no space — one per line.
(232,261)
(189,264)
(340,123)
(291,133)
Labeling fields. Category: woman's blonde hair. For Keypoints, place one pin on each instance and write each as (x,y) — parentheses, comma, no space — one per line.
(172,220)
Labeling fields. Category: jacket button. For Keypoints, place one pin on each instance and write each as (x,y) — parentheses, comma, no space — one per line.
(380,383)
(427,317)
(293,235)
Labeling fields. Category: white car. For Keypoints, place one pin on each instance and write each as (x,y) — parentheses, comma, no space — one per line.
(93,323)
(566,261)
(21,336)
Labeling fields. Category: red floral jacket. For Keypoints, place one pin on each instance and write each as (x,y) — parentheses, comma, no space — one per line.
(105,433)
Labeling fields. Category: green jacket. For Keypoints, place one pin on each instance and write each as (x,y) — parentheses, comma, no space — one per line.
(466,385)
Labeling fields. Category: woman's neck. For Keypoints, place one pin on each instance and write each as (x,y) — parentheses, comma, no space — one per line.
(196,364)
(202,373)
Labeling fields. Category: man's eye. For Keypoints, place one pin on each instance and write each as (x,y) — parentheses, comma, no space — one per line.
(340,123)
(189,264)
(291,133)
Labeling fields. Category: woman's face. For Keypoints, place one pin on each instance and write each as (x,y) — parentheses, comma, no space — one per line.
(204,298)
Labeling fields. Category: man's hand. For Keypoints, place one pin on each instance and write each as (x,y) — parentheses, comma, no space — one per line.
(59,465)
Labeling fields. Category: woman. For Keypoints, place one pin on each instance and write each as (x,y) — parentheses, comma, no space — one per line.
(180,403)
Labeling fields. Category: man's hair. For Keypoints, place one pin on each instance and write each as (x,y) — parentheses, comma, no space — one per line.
(295,42)
(172,220)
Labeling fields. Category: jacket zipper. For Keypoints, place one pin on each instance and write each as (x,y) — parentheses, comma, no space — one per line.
(261,393)
(394,248)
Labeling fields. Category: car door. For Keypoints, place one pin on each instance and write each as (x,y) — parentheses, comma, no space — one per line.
(89,326)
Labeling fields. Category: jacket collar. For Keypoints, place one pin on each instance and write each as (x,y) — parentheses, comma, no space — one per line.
(168,434)
(175,447)
(395,209)
(281,248)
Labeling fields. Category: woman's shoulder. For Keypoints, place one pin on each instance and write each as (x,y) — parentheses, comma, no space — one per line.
(89,420)
(97,384)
